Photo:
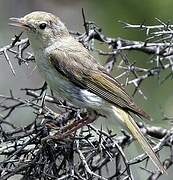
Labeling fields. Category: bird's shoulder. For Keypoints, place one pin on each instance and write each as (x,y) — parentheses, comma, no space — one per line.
(71,52)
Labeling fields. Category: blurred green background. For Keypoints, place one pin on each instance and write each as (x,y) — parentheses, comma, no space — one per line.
(106,14)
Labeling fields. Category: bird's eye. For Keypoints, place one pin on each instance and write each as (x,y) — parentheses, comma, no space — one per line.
(42,26)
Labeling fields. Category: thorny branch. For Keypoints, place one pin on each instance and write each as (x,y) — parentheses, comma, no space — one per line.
(53,146)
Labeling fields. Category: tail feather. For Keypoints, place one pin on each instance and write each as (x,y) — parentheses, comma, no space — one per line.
(136,132)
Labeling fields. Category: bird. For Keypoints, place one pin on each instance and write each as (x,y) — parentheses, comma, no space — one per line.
(73,73)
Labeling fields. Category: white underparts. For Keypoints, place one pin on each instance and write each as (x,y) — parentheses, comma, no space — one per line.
(91,98)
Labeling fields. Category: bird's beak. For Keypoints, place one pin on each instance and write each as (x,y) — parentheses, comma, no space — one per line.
(19,22)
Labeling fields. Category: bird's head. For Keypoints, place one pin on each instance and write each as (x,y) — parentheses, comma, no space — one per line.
(41,27)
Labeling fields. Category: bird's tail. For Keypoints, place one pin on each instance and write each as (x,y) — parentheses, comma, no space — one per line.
(130,123)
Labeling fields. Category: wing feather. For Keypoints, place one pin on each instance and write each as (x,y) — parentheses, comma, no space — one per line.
(109,89)
(85,72)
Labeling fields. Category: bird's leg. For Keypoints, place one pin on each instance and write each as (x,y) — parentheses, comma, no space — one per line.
(73,127)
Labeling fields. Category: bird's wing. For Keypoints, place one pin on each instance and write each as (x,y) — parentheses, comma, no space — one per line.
(82,69)
(108,88)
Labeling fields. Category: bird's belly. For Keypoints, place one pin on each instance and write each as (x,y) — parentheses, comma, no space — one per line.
(66,89)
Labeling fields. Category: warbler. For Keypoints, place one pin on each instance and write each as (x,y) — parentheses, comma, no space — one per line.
(75,75)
